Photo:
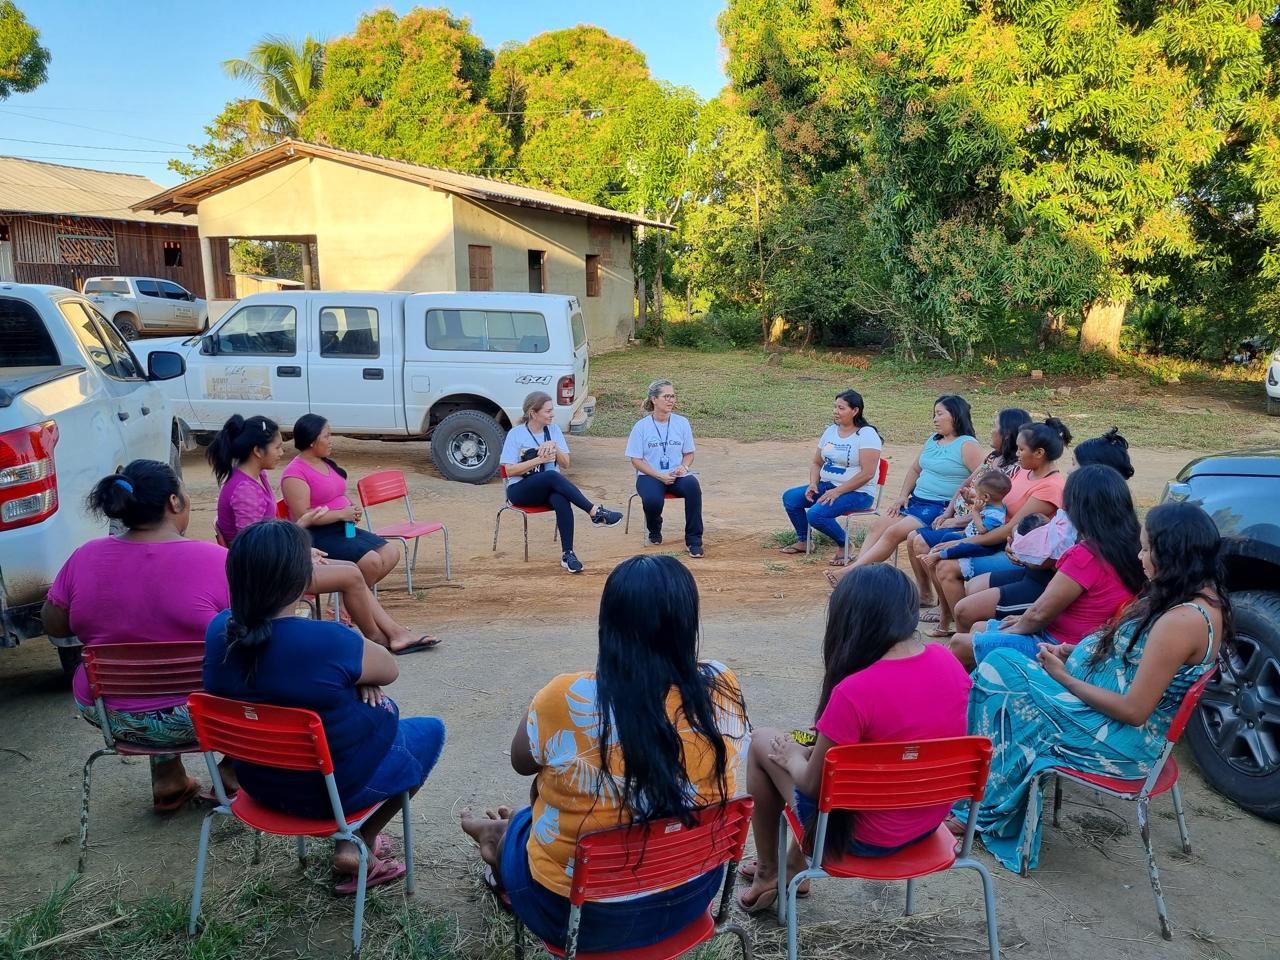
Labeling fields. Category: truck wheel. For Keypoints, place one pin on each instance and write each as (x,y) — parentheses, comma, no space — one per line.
(1273,406)
(127,325)
(175,458)
(466,445)
(1235,735)
(69,657)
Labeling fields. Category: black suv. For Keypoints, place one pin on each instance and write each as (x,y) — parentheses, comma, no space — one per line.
(1236,733)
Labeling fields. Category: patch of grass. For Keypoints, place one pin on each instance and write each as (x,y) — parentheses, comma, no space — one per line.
(37,923)
(752,395)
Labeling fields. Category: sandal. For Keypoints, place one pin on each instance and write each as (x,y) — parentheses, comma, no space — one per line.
(931,616)
(938,633)
(747,871)
(379,872)
(765,901)
(794,548)
(831,578)
(838,561)
(179,800)
(424,642)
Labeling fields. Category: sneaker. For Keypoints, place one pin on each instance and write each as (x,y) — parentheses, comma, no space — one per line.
(653,538)
(606,518)
(695,551)
(570,562)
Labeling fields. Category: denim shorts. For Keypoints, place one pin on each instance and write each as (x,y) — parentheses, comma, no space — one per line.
(926,511)
(807,810)
(976,566)
(993,639)
(933,537)
(604,927)
(413,753)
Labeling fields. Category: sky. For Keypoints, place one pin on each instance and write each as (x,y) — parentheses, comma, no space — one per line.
(133,82)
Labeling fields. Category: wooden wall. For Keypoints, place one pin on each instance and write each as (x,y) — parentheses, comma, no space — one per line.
(68,250)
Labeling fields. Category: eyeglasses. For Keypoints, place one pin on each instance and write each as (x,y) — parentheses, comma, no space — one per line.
(666,396)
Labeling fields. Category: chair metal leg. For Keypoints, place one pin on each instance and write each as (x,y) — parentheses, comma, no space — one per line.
(302,852)
(407,820)
(793,922)
(1031,820)
(744,938)
(911,891)
(497,525)
(784,847)
(1144,828)
(1176,793)
(202,856)
(525,518)
(409,564)
(448,563)
(517,938)
(362,877)
(84,804)
(257,849)
(626,527)
(989,901)
(1057,801)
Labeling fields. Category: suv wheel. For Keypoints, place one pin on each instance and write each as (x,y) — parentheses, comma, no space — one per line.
(127,326)
(466,445)
(1235,734)
(1273,406)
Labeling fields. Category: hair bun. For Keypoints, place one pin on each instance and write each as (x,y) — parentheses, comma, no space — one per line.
(234,425)
(1060,428)
(1113,436)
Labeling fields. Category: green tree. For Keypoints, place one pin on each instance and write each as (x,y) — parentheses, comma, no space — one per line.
(287,76)
(227,140)
(412,88)
(24,63)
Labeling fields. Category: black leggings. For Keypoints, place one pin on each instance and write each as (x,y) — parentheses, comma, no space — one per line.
(550,488)
(653,494)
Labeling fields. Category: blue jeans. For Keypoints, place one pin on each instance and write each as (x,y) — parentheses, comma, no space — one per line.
(821,516)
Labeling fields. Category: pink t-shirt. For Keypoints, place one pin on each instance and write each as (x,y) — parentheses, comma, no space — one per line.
(1104,592)
(123,591)
(1024,487)
(916,698)
(328,489)
(242,501)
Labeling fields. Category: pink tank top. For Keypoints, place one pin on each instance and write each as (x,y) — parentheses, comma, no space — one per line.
(328,489)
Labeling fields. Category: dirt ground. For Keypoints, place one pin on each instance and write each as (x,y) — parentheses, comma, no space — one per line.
(509,626)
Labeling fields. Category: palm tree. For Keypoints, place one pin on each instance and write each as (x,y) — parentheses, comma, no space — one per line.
(287,75)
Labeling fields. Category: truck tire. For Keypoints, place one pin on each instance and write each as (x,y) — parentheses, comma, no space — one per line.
(466,446)
(175,458)
(1273,406)
(1236,731)
(69,657)
(127,324)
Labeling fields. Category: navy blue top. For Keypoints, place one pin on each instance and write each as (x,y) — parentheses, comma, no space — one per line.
(315,665)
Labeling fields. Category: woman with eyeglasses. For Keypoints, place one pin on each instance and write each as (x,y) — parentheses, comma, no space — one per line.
(661,449)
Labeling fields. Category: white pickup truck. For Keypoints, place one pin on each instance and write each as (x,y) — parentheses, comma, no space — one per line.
(75,405)
(147,305)
(452,367)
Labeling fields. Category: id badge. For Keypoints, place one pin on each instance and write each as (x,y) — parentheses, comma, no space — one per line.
(664,464)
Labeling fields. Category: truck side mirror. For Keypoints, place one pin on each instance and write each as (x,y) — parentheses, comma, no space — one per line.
(165,365)
(207,346)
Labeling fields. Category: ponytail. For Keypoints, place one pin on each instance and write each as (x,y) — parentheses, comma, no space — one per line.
(236,441)
(138,495)
(268,567)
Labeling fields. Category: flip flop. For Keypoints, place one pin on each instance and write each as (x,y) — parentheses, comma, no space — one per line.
(765,901)
(831,578)
(424,642)
(931,616)
(382,847)
(747,871)
(939,634)
(380,872)
(838,561)
(174,804)
(209,796)
(793,548)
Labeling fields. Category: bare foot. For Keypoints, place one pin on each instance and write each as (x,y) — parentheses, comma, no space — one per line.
(486,831)
(346,858)
(761,894)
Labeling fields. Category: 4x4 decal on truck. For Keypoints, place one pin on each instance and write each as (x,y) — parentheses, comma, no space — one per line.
(529,378)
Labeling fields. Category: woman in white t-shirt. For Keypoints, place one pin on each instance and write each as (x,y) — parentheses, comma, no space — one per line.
(661,449)
(842,476)
(534,454)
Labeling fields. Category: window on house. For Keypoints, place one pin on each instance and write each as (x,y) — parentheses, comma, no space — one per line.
(172,253)
(4,232)
(537,271)
(593,274)
(480,267)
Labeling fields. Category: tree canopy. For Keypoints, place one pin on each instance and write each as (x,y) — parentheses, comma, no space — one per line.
(24,63)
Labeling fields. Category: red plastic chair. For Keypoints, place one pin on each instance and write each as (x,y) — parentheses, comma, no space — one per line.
(882,474)
(169,669)
(1163,778)
(525,514)
(609,864)
(312,600)
(627,527)
(286,738)
(383,487)
(893,776)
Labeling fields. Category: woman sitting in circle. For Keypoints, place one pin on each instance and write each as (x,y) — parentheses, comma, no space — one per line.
(842,476)
(257,651)
(949,457)
(91,601)
(535,453)
(1105,705)
(241,454)
(313,480)
(661,449)
(881,683)
(952,523)
(1097,576)
(1010,592)
(653,732)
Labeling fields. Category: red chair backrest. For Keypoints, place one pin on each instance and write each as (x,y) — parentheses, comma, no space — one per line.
(382,486)
(285,737)
(903,775)
(502,469)
(883,474)
(1189,703)
(282,510)
(162,669)
(646,857)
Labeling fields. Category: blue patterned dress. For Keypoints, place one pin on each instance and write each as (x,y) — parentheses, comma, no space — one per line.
(1035,724)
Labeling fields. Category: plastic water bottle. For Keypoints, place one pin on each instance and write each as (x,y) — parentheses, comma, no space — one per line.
(350,529)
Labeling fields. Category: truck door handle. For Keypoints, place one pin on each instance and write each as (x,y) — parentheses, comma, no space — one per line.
(373,373)
(146,411)
(122,414)
(289,371)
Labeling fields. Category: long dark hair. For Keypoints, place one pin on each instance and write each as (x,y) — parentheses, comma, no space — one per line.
(648,645)
(961,415)
(1098,503)
(1110,450)
(268,567)
(237,439)
(853,398)
(871,609)
(137,496)
(1009,423)
(1186,556)
(1052,436)
(306,431)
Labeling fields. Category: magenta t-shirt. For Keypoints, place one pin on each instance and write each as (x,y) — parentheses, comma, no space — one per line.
(1104,592)
(916,698)
(243,501)
(327,489)
(123,591)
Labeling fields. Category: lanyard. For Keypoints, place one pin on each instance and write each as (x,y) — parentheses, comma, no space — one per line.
(661,439)
(546,435)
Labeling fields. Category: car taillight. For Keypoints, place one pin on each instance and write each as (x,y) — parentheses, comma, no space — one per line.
(28,478)
(566,389)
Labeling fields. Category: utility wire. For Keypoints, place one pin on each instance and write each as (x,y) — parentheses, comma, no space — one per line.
(86,146)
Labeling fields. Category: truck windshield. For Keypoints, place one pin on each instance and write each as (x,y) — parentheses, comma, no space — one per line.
(24,341)
(107,286)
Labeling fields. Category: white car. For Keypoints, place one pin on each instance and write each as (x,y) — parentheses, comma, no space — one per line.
(148,306)
(75,405)
(1273,385)
(451,367)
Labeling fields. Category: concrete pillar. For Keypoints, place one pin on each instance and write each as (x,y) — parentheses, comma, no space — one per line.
(308,271)
(207,268)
